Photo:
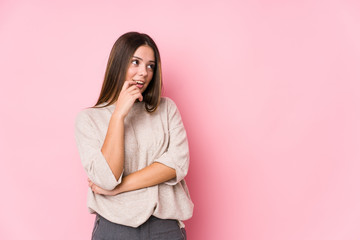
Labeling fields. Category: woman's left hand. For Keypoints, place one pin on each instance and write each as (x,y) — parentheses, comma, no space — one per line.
(98,190)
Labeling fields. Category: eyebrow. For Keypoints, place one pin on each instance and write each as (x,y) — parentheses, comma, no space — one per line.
(142,59)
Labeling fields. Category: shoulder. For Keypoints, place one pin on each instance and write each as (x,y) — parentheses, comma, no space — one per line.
(88,115)
(170,108)
(82,118)
(168,103)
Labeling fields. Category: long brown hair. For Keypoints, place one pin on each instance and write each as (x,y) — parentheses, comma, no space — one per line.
(118,63)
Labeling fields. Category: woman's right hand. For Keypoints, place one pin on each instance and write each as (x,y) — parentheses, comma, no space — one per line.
(98,190)
(127,97)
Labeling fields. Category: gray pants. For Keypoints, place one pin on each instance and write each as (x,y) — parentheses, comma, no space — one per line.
(153,228)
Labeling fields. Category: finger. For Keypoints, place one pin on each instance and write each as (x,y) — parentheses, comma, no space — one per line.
(139,96)
(134,91)
(132,88)
(127,84)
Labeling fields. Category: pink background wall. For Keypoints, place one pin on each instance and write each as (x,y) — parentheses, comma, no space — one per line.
(268,91)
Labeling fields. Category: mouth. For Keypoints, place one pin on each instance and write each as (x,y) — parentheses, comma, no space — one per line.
(139,83)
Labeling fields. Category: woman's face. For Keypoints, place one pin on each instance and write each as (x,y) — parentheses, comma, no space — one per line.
(142,66)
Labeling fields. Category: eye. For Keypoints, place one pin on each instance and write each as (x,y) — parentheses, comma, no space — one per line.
(134,61)
(151,66)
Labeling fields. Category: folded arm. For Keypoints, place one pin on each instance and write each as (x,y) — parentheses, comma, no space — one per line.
(151,175)
(170,168)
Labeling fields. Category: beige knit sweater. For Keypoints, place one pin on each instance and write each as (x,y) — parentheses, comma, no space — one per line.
(149,137)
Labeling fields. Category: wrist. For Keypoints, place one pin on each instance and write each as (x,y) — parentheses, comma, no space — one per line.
(117,116)
(118,189)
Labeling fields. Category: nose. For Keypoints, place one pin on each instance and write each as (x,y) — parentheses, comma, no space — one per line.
(142,71)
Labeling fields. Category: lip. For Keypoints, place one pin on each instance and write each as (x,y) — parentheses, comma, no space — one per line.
(139,86)
(139,81)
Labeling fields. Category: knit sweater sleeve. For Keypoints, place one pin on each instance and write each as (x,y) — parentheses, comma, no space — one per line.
(89,147)
(177,155)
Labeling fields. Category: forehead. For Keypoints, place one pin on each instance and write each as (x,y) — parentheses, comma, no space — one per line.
(145,52)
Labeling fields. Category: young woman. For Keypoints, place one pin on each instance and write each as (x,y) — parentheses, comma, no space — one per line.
(134,149)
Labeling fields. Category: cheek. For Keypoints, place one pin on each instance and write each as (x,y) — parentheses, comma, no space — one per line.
(150,75)
(130,72)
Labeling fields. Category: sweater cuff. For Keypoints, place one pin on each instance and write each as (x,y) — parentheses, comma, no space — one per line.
(167,160)
(104,177)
